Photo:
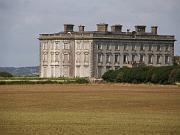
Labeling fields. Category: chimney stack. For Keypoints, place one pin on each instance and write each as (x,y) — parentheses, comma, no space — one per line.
(116,28)
(68,28)
(154,30)
(81,28)
(140,29)
(102,27)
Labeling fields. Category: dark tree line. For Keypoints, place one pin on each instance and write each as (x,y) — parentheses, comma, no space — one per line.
(5,74)
(159,75)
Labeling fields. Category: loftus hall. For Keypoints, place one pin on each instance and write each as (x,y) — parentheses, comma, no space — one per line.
(91,53)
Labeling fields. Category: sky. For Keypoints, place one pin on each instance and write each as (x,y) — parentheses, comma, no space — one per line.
(21,22)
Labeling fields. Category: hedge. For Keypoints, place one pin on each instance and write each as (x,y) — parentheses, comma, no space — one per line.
(24,80)
(159,75)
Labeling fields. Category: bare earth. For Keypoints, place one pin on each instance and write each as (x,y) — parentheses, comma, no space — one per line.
(98,109)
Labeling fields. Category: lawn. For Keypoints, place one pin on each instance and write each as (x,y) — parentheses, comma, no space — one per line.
(103,109)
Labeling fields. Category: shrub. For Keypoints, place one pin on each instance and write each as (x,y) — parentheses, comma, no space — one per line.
(149,74)
(82,80)
(110,76)
(5,74)
(174,75)
(120,76)
(161,75)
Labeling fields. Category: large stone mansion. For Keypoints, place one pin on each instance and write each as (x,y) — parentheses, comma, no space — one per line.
(91,53)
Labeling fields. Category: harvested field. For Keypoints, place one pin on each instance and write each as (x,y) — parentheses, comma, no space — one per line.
(101,109)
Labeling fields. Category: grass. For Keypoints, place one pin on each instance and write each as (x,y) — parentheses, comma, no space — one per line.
(104,109)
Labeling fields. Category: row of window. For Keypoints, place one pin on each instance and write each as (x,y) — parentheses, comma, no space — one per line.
(55,46)
(134,58)
(82,46)
(79,58)
(108,47)
(55,57)
(55,71)
(134,47)
(65,46)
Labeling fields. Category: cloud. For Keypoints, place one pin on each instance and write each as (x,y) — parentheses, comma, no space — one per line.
(23,20)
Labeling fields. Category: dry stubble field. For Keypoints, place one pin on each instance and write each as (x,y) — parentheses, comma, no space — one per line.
(104,109)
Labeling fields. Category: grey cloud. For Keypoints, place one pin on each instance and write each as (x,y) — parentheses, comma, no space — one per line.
(22,20)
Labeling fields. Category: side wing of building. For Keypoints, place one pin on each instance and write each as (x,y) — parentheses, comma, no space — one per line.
(114,54)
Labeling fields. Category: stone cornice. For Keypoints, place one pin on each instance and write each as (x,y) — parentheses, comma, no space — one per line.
(104,36)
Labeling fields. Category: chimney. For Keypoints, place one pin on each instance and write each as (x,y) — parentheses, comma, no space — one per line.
(102,27)
(154,30)
(81,28)
(140,29)
(116,28)
(68,28)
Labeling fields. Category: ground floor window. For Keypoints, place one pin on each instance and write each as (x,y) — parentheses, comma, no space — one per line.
(150,57)
(158,59)
(125,59)
(167,59)
(133,57)
(141,58)
(116,58)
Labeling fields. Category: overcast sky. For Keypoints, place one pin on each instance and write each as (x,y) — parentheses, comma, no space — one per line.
(21,22)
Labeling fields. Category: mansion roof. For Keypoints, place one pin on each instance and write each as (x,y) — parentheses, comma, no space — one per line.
(102,32)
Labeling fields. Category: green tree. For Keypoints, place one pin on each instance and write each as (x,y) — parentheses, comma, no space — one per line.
(174,75)
(5,74)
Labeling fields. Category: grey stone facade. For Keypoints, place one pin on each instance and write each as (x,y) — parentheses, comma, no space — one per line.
(92,53)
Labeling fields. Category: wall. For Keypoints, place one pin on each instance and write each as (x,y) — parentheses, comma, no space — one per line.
(56,58)
(83,59)
(109,48)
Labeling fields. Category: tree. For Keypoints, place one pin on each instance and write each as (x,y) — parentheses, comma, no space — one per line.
(174,75)
(5,74)
(110,76)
